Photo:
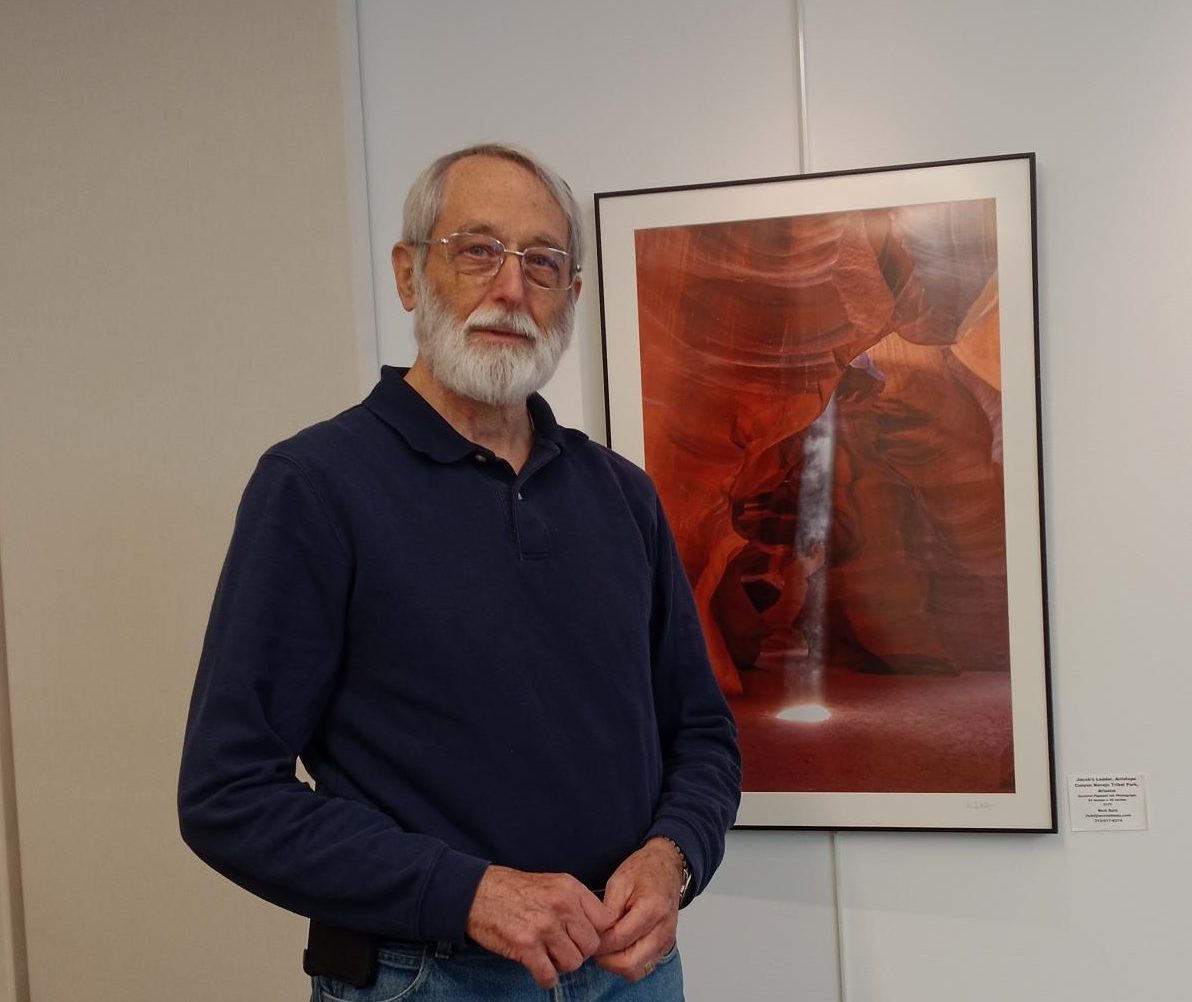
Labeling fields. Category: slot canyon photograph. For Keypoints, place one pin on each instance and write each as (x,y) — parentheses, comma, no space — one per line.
(822,415)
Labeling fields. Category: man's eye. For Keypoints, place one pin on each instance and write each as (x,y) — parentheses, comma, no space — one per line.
(546,262)
(480,251)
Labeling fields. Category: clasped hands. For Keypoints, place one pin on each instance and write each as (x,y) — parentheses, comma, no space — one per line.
(551,923)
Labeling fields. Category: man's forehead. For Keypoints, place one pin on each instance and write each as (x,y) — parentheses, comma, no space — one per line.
(479,187)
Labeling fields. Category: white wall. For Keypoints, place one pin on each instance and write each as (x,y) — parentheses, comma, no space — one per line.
(1102,93)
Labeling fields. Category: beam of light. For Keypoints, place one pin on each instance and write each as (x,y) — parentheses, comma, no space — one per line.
(806,713)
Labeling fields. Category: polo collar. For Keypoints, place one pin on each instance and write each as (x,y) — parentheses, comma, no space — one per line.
(405,410)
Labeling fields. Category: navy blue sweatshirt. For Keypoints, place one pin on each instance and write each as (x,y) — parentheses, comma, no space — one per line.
(475,666)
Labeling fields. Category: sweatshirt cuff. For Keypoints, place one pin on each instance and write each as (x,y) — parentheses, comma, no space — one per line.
(447,899)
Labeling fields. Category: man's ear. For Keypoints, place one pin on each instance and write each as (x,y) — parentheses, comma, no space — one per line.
(403,274)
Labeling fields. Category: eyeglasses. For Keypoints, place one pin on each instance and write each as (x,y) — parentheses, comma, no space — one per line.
(481,256)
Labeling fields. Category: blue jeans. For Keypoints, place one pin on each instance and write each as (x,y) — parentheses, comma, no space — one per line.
(448,973)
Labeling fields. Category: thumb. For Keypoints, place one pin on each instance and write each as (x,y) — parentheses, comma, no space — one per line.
(597,912)
(616,895)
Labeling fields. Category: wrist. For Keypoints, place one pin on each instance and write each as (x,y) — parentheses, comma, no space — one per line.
(683,870)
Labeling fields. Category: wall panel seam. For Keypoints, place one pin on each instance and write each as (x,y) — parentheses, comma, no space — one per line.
(14,944)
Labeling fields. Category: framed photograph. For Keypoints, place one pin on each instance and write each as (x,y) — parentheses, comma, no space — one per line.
(833,381)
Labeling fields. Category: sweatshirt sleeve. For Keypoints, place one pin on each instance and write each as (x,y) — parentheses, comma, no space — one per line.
(701,785)
(269,665)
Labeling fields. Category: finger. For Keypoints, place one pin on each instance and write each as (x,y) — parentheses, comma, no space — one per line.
(563,951)
(624,965)
(631,927)
(636,962)
(541,969)
(585,937)
(644,934)
(597,912)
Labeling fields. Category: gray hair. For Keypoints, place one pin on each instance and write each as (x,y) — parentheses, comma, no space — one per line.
(425,199)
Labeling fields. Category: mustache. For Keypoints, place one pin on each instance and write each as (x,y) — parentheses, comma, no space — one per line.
(505,320)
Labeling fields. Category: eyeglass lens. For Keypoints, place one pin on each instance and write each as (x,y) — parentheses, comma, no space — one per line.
(477,254)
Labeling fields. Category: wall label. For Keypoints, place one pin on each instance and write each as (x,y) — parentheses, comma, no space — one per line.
(1108,802)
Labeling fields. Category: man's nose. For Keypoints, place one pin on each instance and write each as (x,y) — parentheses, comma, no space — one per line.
(509,283)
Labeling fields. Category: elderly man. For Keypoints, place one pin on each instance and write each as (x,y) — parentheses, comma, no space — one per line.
(472,626)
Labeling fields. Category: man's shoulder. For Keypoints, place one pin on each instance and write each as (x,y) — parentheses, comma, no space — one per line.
(330,442)
(631,478)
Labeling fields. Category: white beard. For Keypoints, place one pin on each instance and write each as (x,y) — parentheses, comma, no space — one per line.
(495,374)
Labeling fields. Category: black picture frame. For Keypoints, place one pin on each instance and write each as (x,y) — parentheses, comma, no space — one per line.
(891,313)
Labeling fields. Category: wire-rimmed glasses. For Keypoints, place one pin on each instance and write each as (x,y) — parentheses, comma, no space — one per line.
(481,256)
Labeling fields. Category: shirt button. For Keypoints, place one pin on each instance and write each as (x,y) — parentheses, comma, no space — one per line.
(480,457)
(519,496)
